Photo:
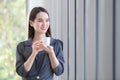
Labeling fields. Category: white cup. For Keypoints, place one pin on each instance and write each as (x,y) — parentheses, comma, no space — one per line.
(46,40)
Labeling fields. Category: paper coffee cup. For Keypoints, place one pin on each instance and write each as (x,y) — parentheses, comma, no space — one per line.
(46,40)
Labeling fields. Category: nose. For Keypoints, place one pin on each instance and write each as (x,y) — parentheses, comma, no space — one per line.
(44,23)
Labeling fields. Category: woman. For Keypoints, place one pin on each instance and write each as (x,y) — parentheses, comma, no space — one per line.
(34,59)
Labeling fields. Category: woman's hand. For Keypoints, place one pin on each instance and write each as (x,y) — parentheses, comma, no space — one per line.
(39,45)
(49,49)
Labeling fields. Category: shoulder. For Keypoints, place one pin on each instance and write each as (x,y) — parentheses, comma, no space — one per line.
(57,42)
(22,44)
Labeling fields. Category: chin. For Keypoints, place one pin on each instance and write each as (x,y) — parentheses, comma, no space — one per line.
(43,32)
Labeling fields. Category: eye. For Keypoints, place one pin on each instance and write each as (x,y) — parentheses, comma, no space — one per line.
(40,20)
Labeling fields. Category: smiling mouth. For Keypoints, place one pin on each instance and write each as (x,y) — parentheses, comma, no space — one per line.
(43,28)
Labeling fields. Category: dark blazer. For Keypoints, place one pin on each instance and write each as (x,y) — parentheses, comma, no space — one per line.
(41,68)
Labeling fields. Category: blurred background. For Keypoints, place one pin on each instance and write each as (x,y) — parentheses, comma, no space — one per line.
(89,30)
(12,30)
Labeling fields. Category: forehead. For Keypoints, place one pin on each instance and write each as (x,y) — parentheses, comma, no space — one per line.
(42,15)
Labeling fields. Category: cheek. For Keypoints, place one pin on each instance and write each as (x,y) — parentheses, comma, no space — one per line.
(48,27)
(48,24)
(38,24)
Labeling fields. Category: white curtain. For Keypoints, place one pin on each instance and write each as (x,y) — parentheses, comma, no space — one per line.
(90,36)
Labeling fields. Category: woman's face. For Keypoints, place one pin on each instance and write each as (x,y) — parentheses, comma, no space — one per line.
(41,23)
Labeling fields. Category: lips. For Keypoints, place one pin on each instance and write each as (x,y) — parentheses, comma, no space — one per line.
(43,28)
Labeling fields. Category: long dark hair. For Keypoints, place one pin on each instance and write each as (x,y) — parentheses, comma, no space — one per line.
(32,17)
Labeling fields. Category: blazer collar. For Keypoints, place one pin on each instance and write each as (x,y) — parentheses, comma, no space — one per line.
(28,42)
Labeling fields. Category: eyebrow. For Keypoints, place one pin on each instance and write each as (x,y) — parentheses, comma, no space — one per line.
(42,18)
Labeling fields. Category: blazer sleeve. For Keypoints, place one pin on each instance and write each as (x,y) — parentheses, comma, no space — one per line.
(59,54)
(20,61)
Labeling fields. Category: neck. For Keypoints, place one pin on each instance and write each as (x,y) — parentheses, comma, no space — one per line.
(38,37)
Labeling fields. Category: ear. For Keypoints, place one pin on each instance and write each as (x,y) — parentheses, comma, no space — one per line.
(31,23)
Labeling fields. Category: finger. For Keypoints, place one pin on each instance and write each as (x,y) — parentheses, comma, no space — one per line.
(36,45)
(37,42)
(50,47)
(41,41)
